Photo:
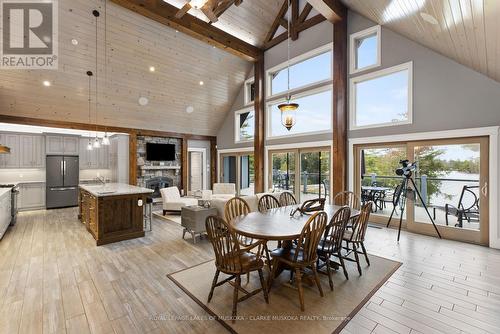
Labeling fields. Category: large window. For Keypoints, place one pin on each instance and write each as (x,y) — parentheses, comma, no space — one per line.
(305,70)
(238,168)
(244,125)
(382,98)
(314,114)
(365,49)
(249,94)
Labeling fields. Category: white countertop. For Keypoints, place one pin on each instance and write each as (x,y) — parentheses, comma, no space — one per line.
(3,191)
(114,189)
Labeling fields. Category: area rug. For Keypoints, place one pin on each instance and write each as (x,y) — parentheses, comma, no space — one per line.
(322,315)
(174,218)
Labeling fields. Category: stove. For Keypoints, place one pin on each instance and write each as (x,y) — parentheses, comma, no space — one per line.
(14,194)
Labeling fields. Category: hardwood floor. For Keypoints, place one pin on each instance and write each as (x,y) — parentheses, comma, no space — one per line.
(53,279)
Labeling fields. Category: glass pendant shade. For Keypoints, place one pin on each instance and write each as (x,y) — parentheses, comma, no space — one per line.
(89,146)
(288,114)
(4,149)
(97,143)
(105,140)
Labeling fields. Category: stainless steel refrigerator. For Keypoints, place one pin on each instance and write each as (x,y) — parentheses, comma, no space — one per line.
(62,181)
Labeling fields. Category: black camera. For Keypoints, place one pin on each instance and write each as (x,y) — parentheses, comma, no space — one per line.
(407,168)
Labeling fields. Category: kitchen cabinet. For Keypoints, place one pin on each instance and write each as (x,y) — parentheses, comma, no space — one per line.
(10,160)
(62,145)
(32,151)
(31,196)
(97,158)
(5,211)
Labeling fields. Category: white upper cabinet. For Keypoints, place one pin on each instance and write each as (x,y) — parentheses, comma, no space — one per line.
(32,151)
(63,145)
(10,160)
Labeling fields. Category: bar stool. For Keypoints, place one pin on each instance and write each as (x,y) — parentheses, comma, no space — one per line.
(148,214)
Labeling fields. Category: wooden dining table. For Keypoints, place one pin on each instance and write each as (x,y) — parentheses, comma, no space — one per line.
(278,225)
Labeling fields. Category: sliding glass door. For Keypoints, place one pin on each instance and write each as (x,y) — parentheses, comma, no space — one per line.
(238,168)
(304,172)
(451,175)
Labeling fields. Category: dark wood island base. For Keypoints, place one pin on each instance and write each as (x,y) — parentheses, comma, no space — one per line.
(112,217)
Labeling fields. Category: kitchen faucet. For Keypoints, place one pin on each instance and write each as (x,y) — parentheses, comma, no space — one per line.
(101,179)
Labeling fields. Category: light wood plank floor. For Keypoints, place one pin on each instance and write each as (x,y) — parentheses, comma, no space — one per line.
(53,279)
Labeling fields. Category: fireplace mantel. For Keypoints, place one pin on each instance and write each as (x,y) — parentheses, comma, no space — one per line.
(161,167)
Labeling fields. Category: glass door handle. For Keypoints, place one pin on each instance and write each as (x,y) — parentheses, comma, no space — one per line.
(484,189)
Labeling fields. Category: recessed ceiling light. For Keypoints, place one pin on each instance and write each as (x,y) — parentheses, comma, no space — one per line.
(201,83)
(143,101)
(429,18)
(189,109)
(46,83)
(74,41)
(152,69)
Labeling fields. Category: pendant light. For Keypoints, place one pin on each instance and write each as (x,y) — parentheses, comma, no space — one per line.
(105,140)
(89,74)
(288,109)
(97,143)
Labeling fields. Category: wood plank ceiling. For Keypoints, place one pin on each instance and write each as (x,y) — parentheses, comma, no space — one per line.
(464,30)
(134,43)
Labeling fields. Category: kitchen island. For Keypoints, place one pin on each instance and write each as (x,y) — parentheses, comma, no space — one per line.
(113,212)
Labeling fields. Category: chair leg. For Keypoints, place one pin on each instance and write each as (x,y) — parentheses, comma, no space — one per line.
(263,285)
(356,256)
(342,264)
(248,278)
(298,278)
(164,212)
(271,276)
(235,296)
(214,282)
(329,271)
(318,282)
(365,252)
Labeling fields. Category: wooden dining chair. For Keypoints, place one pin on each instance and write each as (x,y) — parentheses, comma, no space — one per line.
(304,254)
(231,260)
(331,243)
(347,198)
(287,198)
(267,202)
(355,238)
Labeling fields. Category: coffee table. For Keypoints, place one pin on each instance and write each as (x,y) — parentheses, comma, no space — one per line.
(193,219)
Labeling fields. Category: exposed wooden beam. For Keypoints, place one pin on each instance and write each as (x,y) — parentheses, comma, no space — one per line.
(224,5)
(305,12)
(213,162)
(277,22)
(132,157)
(310,22)
(332,10)
(163,12)
(339,170)
(259,140)
(184,166)
(294,34)
(183,11)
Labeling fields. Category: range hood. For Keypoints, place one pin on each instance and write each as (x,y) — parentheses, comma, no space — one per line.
(4,149)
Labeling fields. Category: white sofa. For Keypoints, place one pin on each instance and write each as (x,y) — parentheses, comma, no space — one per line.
(172,200)
(252,200)
(223,191)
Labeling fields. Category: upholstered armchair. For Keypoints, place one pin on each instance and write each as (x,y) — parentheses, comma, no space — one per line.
(172,200)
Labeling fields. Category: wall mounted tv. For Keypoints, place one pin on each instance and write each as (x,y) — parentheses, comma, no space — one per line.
(160,152)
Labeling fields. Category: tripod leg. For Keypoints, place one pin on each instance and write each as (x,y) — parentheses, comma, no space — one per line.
(403,205)
(401,221)
(425,207)
(392,214)
(395,204)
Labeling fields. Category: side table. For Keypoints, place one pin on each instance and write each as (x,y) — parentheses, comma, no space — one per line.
(193,219)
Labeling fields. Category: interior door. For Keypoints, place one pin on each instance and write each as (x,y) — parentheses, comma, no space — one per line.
(195,170)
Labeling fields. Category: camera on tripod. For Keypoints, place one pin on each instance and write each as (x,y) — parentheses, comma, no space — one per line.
(407,168)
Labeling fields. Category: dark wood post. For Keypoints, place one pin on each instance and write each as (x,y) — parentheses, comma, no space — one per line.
(259,135)
(339,170)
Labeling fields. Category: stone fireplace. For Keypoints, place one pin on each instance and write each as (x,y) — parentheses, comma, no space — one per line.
(157,183)
(158,174)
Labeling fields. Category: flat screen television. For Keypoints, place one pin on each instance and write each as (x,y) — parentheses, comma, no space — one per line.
(160,152)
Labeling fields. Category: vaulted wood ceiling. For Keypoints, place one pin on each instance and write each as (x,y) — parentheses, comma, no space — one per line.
(134,43)
(467,31)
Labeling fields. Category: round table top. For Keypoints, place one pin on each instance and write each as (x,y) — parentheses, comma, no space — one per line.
(277,224)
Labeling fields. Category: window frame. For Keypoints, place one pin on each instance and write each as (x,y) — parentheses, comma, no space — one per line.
(282,99)
(237,114)
(377,30)
(408,66)
(293,61)
(247,95)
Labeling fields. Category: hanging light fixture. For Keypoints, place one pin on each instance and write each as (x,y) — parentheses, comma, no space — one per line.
(89,74)
(105,140)
(288,109)
(97,143)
